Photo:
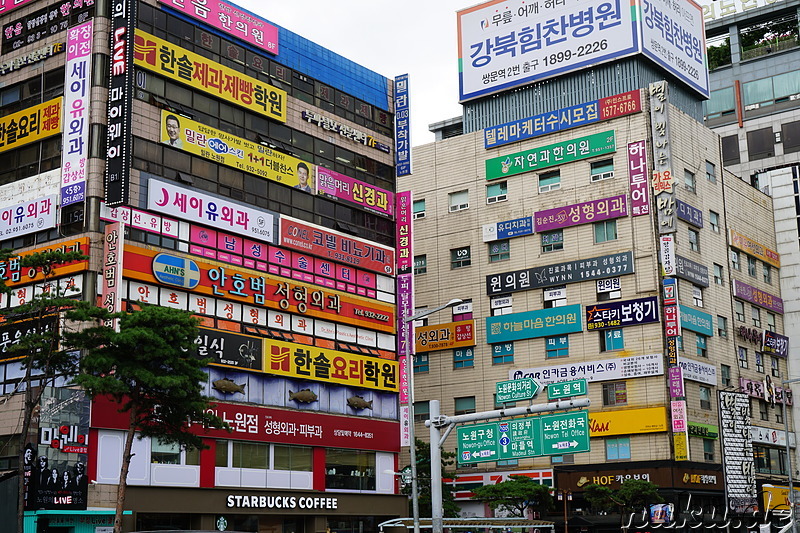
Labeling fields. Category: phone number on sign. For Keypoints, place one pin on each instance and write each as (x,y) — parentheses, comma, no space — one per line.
(583,50)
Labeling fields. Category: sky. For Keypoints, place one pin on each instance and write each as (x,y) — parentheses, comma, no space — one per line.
(417,37)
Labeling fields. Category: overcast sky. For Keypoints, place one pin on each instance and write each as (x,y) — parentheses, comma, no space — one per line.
(417,37)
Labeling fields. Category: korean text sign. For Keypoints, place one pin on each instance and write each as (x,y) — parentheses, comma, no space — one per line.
(183,66)
(582,213)
(445,336)
(534,324)
(31,124)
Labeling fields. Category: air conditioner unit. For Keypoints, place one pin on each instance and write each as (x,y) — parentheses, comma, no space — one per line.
(421,214)
(603,176)
(458,207)
(546,188)
(498,198)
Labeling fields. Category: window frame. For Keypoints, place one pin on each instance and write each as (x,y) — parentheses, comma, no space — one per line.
(458,201)
(694,240)
(603,173)
(418,213)
(615,393)
(689,180)
(554,181)
(605,226)
(466,359)
(501,196)
(500,254)
(422,268)
(554,246)
(462,262)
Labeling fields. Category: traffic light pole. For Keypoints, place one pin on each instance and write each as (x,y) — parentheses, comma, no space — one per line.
(438,421)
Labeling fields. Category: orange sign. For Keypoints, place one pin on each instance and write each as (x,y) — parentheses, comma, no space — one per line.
(444,336)
(14,275)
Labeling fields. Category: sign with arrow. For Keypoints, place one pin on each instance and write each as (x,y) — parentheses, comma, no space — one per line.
(517,389)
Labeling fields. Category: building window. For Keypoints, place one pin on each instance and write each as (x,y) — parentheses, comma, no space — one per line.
(751,266)
(502,353)
(711,172)
(459,201)
(770,321)
(763,409)
(605,231)
(611,339)
(420,264)
(739,307)
(618,449)
(759,362)
(742,357)
(421,363)
(778,413)
(770,460)
(718,274)
(735,264)
(694,240)
(755,314)
(164,453)
(499,250)
(250,455)
(713,218)
(688,180)
(465,405)
(463,311)
(775,367)
(615,393)
(603,170)
(497,192)
(555,297)
(349,469)
(550,181)
(418,208)
(499,405)
(422,411)
(508,462)
(725,374)
(556,346)
(702,347)
(552,241)
(722,326)
(697,295)
(731,154)
(463,357)
(705,398)
(708,450)
(761,142)
(767,273)
(297,458)
(460,257)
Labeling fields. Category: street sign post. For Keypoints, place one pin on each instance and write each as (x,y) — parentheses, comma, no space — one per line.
(564,433)
(517,389)
(565,389)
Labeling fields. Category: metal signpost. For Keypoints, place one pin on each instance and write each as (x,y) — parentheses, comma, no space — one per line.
(565,389)
(517,389)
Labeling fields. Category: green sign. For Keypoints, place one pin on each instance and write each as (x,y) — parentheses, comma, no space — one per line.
(551,155)
(532,436)
(517,389)
(565,389)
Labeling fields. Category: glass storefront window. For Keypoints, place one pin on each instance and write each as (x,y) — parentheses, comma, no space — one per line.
(350,469)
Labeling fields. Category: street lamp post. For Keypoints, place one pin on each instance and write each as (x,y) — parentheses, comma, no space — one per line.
(789,453)
(409,356)
(566,495)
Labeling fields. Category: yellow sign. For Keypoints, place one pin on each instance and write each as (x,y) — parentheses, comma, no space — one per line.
(199,139)
(777,497)
(755,249)
(681,445)
(445,336)
(183,66)
(30,124)
(628,422)
(331,366)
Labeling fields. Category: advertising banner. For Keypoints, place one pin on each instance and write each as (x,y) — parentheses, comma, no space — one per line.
(637,366)
(30,125)
(402,126)
(445,336)
(533,324)
(609,315)
(696,321)
(737,451)
(755,249)
(77,82)
(582,213)
(331,366)
(775,344)
(604,266)
(405,248)
(766,390)
(181,65)
(13,275)
(628,422)
(405,331)
(10,334)
(698,371)
(689,214)
(42,23)
(563,119)
(666,254)
(663,180)
(757,296)
(508,229)
(231,20)
(350,190)
(29,217)
(507,44)
(637,178)
(675,375)
(551,155)
(6,6)
(31,58)
(111,290)
(691,271)
(226,348)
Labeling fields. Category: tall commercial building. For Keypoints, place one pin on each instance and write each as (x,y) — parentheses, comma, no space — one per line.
(206,159)
(584,212)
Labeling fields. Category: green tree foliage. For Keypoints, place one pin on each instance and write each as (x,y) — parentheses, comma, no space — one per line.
(450,507)
(719,55)
(148,367)
(633,496)
(516,496)
(41,354)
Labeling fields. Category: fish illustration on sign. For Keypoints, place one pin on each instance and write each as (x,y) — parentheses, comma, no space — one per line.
(303,396)
(358,403)
(228,386)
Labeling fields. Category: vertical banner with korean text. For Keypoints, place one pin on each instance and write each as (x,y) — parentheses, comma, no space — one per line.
(402,127)
(405,308)
(77,85)
(111,280)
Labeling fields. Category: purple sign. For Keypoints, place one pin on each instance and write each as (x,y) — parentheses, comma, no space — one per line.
(757,296)
(583,213)
(676,382)
(637,176)
(341,187)
(689,214)
(610,315)
(775,344)
(231,20)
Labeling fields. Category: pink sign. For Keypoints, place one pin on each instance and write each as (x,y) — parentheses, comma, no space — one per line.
(583,213)
(371,198)
(8,5)
(231,20)
(405,254)
(637,176)
(405,333)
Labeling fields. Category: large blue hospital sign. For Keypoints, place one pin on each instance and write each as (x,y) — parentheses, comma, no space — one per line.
(533,324)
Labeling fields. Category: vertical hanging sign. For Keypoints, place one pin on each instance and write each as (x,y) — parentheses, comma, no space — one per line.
(120,94)
(111,289)
(402,127)
(663,178)
(405,308)
(77,85)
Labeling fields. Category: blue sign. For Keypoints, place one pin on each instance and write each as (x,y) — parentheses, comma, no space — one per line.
(689,214)
(402,126)
(697,321)
(178,271)
(515,228)
(542,124)
(534,324)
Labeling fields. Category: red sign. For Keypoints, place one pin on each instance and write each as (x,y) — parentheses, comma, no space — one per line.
(620,104)
(672,323)
(262,424)
(14,275)
(336,246)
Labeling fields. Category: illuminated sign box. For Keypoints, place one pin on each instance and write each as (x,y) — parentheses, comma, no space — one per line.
(30,125)
(445,336)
